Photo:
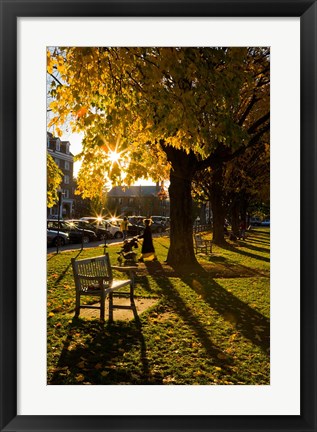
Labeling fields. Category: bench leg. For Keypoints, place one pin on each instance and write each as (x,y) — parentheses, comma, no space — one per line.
(77,308)
(102,306)
(111,307)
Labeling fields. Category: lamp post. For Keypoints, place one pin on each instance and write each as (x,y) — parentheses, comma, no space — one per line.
(59,194)
(105,238)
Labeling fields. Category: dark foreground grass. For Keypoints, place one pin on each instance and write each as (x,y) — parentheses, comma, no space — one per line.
(210,325)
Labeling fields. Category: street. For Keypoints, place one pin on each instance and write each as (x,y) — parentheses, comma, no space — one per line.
(73,246)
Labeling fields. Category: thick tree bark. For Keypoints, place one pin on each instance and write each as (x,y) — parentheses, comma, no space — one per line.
(181,251)
(244,207)
(218,210)
(235,216)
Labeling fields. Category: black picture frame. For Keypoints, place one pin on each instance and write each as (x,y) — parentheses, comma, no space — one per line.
(10,11)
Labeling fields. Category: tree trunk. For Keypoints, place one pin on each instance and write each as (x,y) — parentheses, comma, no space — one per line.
(244,206)
(181,251)
(235,213)
(202,214)
(218,210)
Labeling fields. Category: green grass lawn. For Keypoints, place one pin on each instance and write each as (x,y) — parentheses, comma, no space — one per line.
(209,326)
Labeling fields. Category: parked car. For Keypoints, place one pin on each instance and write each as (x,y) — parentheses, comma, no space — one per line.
(76,234)
(156,226)
(255,221)
(93,224)
(113,225)
(266,222)
(136,220)
(55,238)
(114,230)
(159,219)
(135,230)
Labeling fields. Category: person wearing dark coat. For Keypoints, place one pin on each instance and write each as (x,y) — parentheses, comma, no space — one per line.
(147,251)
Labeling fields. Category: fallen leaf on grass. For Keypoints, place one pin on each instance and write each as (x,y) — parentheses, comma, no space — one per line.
(57,369)
(221,356)
(168,380)
(79,378)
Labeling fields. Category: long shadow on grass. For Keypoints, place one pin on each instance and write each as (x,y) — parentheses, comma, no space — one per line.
(179,306)
(104,359)
(247,245)
(258,240)
(51,256)
(252,324)
(60,277)
(242,252)
(234,270)
(247,320)
(262,232)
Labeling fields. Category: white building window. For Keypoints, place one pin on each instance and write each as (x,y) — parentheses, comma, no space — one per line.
(66,165)
(66,179)
(66,193)
(57,161)
(58,145)
(67,148)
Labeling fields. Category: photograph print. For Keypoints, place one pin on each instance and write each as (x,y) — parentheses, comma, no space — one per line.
(158,215)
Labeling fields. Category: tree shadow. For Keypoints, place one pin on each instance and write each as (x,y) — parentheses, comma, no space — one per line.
(256,248)
(62,275)
(227,269)
(247,320)
(263,242)
(51,256)
(263,232)
(99,359)
(242,316)
(237,250)
(176,302)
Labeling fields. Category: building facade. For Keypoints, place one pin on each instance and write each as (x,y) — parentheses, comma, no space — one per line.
(60,152)
(138,200)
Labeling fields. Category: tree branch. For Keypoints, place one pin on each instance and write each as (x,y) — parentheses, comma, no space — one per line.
(258,123)
(54,77)
(247,110)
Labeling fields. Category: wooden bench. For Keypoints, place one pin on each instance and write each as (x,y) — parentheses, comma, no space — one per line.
(93,277)
(202,245)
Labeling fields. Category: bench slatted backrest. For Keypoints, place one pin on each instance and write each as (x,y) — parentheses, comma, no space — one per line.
(90,267)
(198,239)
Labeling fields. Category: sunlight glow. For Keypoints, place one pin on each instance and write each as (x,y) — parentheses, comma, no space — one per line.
(116,156)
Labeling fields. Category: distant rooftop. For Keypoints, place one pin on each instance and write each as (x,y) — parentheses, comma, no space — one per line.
(133,191)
